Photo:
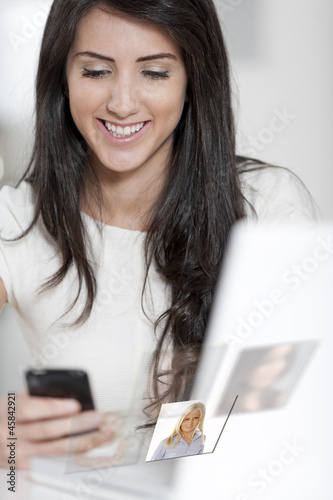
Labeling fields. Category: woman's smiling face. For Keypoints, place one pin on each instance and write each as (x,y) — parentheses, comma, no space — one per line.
(127,86)
(191,421)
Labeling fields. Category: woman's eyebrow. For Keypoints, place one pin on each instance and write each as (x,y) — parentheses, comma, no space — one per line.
(157,56)
(94,55)
(152,57)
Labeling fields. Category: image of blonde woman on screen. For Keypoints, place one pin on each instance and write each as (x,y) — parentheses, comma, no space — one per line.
(187,438)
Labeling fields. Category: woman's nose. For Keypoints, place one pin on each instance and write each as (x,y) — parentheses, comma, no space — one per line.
(124,99)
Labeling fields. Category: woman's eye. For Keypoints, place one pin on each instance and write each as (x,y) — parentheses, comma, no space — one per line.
(95,73)
(156,75)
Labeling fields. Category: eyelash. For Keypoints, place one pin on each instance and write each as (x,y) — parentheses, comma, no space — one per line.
(153,75)
(94,74)
(156,75)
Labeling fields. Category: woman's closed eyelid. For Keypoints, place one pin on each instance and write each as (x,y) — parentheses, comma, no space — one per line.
(95,73)
(156,74)
(153,74)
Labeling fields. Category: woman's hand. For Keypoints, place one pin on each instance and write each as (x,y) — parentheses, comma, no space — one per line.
(42,426)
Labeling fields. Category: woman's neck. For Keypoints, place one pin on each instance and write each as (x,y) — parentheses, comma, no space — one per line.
(127,197)
(188,436)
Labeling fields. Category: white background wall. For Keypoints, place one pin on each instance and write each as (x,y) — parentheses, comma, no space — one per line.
(281,61)
(288,66)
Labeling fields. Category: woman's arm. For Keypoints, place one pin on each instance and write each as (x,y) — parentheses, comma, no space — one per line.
(42,425)
(3,294)
(159,452)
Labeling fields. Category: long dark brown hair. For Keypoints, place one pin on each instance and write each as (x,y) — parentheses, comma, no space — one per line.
(190,223)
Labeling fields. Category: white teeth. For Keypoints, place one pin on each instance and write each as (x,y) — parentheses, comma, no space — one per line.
(119,132)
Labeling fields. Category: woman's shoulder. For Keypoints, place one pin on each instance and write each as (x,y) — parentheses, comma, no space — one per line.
(16,206)
(275,193)
(20,196)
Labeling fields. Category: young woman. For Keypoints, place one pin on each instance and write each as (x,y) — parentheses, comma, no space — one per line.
(187,437)
(112,243)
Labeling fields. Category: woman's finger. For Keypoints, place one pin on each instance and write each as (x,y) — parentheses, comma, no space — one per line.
(45,430)
(75,444)
(31,408)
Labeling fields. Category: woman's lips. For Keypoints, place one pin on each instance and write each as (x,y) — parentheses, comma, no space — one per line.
(123,135)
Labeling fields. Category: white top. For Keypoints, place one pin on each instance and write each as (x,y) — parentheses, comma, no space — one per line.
(115,345)
(182,448)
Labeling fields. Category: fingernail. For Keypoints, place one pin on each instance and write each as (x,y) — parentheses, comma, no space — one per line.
(98,418)
(72,405)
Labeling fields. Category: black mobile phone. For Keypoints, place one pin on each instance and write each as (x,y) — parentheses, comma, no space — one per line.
(61,384)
